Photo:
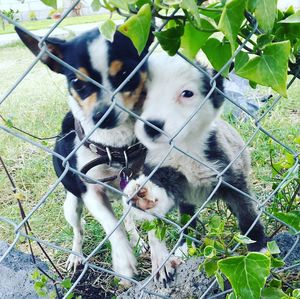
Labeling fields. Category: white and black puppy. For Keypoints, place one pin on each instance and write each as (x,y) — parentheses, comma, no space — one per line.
(112,146)
(176,90)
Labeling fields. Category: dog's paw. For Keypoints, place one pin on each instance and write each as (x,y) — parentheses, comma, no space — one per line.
(73,262)
(124,261)
(145,198)
(167,273)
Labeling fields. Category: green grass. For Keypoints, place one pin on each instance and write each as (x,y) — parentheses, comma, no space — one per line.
(38,106)
(43,24)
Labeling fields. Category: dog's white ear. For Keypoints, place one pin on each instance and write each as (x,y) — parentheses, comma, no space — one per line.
(54,45)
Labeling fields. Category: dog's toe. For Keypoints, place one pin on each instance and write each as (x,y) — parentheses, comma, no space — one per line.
(167,273)
(73,261)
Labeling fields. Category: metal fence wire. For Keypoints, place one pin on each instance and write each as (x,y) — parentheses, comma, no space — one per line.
(22,229)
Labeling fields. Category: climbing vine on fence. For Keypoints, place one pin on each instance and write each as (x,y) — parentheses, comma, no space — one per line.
(272,52)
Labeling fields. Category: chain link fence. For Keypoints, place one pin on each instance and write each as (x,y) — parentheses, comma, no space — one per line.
(22,229)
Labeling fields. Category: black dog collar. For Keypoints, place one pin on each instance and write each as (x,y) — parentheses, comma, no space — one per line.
(113,156)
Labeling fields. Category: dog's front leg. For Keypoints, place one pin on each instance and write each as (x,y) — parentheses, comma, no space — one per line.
(153,198)
(72,212)
(99,206)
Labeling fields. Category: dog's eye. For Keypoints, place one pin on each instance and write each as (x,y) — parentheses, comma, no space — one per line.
(187,94)
(78,85)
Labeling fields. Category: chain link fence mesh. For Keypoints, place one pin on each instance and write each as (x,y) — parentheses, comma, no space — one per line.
(22,229)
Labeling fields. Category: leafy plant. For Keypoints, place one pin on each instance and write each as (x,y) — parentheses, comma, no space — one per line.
(285,205)
(41,286)
(11,13)
(249,274)
(271,36)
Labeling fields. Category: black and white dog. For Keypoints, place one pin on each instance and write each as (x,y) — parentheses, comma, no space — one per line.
(175,90)
(112,145)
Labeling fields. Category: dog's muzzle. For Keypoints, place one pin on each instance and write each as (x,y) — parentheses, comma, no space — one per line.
(110,121)
(153,133)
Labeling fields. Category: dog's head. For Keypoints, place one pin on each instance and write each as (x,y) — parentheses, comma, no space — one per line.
(107,63)
(175,92)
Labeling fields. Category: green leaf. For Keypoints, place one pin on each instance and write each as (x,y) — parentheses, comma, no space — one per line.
(209,251)
(160,232)
(39,285)
(184,218)
(119,4)
(272,293)
(218,54)
(296,293)
(273,247)
(220,280)
(291,218)
(192,251)
(295,18)
(52,3)
(108,29)
(276,283)
(148,225)
(36,274)
(172,2)
(66,283)
(231,20)
(269,69)
(240,60)
(216,222)
(247,274)
(140,3)
(230,296)
(44,279)
(264,40)
(70,296)
(243,239)
(170,39)
(193,39)
(210,267)
(276,262)
(192,8)
(137,27)
(251,5)
(95,5)
(297,139)
(265,13)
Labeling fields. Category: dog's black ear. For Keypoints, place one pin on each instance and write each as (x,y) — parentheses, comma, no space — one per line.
(54,45)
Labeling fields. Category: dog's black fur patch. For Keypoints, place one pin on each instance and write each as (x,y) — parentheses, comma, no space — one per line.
(239,204)
(64,146)
(172,180)
(216,98)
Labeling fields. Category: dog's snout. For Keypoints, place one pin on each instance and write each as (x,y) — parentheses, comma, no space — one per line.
(110,120)
(152,132)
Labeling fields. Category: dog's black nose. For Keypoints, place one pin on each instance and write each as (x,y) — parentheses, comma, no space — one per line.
(151,132)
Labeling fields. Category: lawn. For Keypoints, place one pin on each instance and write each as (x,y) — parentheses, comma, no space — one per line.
(43,24)
(38,105)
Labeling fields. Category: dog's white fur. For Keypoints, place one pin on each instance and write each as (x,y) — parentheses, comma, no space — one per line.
(95,199)
(168,78)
